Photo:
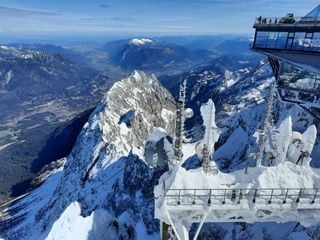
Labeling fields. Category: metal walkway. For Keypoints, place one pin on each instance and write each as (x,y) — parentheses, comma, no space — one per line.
(182,207)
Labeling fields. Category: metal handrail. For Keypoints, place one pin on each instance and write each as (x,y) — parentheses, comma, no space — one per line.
(204,189)
(194,195)
(286,21)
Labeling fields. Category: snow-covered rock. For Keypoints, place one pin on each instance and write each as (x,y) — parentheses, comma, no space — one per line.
(158,151)
(301,146)
(211,134)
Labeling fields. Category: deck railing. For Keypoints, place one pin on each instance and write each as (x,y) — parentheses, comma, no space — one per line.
(288,21)
(265,196)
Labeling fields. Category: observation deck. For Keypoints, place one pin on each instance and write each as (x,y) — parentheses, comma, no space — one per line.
(292,45)
(295,40)
(243,205)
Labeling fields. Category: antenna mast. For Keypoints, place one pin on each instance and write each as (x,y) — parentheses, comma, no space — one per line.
(180,120)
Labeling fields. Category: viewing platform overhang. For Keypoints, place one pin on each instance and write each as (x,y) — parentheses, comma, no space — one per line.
(292,40)
(309,61)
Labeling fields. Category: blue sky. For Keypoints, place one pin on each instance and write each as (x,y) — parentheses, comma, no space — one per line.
(145,17)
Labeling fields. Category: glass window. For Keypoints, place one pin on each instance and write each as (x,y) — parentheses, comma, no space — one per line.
(298,40)
(282,34)
(299,35)
(309,35)
(316,35)
(315,45)
(281,42)
(261,42)
(273,35)
(291,34)
(262,34)
(272,39)
(289,43)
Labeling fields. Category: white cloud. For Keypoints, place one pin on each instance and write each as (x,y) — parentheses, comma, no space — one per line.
(9,11)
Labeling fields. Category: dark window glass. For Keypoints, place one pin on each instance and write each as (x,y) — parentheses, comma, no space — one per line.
(272,39)
(309,35)
(261,42)
(298,40)
(291,34)
(282,34)
(281,43)
(316,35)
(262,34)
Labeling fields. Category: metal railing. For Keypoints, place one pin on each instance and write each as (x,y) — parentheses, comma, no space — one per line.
(280,196)
(290,21)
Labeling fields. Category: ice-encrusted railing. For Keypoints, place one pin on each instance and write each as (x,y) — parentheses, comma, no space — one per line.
(265,196)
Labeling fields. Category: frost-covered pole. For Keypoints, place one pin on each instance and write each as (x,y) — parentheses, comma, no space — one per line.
(266,125)
(180,119)
(275,65)
(206,159)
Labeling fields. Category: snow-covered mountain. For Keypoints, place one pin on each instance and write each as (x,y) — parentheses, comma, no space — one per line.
(154,56)
(104,181)
(104,190)
(49,48)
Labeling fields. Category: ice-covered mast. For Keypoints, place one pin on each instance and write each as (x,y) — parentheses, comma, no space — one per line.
(179,124)
(268,114)
(266,124)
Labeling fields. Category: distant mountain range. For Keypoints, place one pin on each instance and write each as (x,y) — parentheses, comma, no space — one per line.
(40,92)
(51,49)
(212,43)
(154,55)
